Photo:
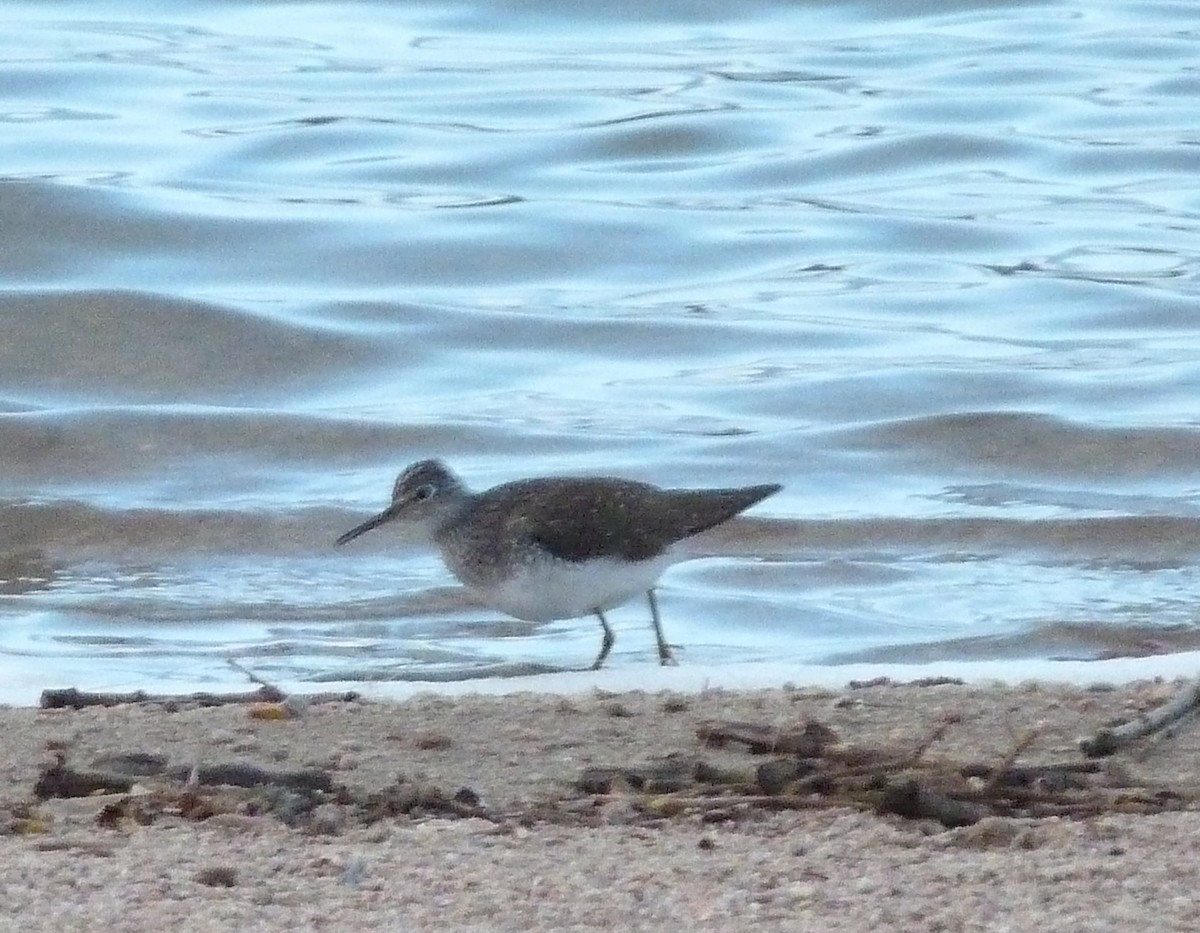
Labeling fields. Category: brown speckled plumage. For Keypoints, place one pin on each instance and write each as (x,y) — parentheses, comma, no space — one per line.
(580,519)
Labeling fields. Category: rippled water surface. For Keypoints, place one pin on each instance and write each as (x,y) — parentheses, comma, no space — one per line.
(932,266)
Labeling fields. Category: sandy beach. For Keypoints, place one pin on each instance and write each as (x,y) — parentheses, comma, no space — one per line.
(476,813)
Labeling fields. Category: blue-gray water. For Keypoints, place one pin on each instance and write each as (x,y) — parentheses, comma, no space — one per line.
(933,266)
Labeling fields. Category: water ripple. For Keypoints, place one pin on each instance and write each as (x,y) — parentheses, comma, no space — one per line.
(934,268)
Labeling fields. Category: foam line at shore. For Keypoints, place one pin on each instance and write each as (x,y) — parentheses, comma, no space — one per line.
(21,686)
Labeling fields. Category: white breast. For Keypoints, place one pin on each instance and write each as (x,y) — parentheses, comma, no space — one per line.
(559,589)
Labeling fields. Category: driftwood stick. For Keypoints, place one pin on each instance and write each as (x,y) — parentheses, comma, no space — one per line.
(808,741)
(915,801)
(1027,774)
(1109,740)
(938,733)
(61,780)
(71,698)
(1005,766)
(691,802)
(244,774)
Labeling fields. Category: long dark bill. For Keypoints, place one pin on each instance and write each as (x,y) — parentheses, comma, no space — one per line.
(382,518)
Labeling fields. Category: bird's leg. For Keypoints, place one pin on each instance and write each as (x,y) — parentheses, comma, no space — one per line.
(664,650)
(606,644)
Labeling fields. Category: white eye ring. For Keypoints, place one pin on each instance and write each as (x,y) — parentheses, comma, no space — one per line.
(424,492)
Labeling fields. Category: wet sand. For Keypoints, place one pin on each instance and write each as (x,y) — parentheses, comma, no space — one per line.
(543,855)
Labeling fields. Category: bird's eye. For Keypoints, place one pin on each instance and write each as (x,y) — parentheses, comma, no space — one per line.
(423,492)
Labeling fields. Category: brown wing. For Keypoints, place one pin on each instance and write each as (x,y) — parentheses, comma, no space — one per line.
(577,519)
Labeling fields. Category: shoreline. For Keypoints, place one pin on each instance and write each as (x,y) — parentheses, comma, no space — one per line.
(540,853)
(21,685)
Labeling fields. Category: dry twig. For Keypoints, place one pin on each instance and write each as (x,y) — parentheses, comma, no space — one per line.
(1109,740)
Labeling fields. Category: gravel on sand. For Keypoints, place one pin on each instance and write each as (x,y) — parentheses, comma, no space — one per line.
(513,843)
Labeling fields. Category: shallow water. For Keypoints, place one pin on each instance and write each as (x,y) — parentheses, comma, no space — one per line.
(932,267)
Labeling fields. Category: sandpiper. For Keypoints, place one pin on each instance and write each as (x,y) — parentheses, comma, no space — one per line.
(559,547)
